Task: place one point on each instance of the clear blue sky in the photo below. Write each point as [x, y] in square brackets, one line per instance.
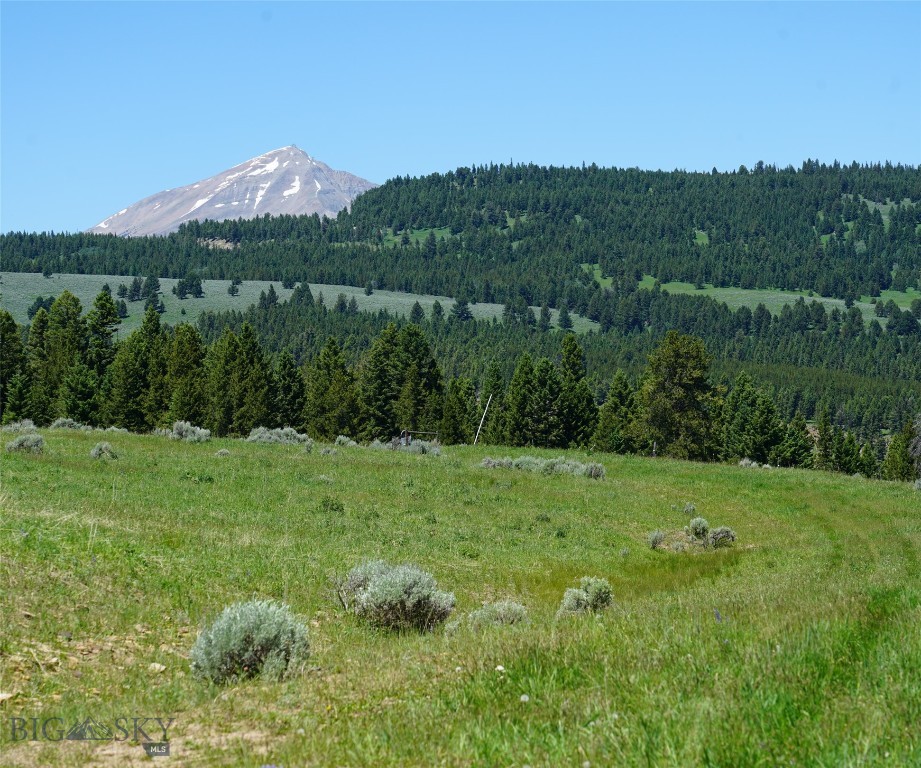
[106, 103]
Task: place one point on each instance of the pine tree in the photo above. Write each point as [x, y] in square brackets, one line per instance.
[379, 387]
[101, 323]
[41, 404]
[461, 311]
[220, 364]
[543, 323]
[77, 395]
[186, 371]
[250, 386]
[547, 407]
[12, 356]
[416, 314]
[458, 422]
[65, 340]
[825, 443]
[493, 431]
[613, 433]
[899, 463]
[675, 399]
[579, 414]
[564, 321]
[519, 409]
[331, 401]
[796, 448]
[289, 391]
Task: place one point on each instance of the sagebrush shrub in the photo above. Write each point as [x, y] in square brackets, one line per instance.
[404, 598]
[23, 425]
[103, 450]
[250, 639]
[699, 528]
[189, 433]
[283, 436]
[592, 595]
[399, 597]
[555, 466]
[498, 614]
[347, 442]
[722, 537]
[30, 442]
[327, 451]
[655, 539]
[918, 484]
[222, 453]
[66, 424]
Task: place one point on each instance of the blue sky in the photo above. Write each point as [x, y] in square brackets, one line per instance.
[102, 104]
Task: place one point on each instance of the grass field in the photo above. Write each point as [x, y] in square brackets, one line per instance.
[774, 300]
[18, 290]
[801, 645]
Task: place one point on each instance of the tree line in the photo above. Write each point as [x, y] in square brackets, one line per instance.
[72, 366]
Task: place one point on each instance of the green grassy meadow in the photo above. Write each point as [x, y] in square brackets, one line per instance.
[774, 300]
[800, 645]
[18, 290]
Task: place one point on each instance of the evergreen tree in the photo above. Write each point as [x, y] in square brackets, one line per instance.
[546, 407]
[41, 404]
[65, 340]
[424, 402]
[613, 434]
[12, 357]
[220, 364]
[493, 393]
[461, 311]
[77, 395]
[459, 419]
[289, 391]
[564, 321]
[331, 402]
[825, 443]
[519, 408]
[17, 401]
[579, 414]
[379, 387]
[796, 448]
[899, 463]
[250, 386]
[186, 372]
[101, 322]
[675, 399]
[416, 314]
[543, 323]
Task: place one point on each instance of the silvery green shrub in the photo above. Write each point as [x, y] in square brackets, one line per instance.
[699, 528]
[655, 539]
[103, 450]
[347, 442]
[23, 425]
[918, 484]
[722, 537]
[404, 598]
[498, 614]
[283, 436]
[189, 433]
[327, 451]
[258, 638]
[30, 442]
[222, 453]
[422, 447]
[592, 595]
[556, 466]
[395, 597]
[66, 424]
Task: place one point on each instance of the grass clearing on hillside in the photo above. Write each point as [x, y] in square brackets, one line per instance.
[774, 300]
[799, 644]
[19, 289]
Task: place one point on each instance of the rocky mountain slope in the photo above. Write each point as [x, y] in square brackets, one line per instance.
[286, 180]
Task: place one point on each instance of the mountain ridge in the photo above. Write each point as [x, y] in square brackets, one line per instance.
[283, 181]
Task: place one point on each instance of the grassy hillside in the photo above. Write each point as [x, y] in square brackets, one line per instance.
[799, 645]
[18, 290]
[775, 300]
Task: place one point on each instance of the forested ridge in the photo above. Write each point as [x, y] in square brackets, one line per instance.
[522, 235]
[493, 232]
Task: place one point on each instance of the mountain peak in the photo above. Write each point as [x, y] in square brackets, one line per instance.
[286, 180]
